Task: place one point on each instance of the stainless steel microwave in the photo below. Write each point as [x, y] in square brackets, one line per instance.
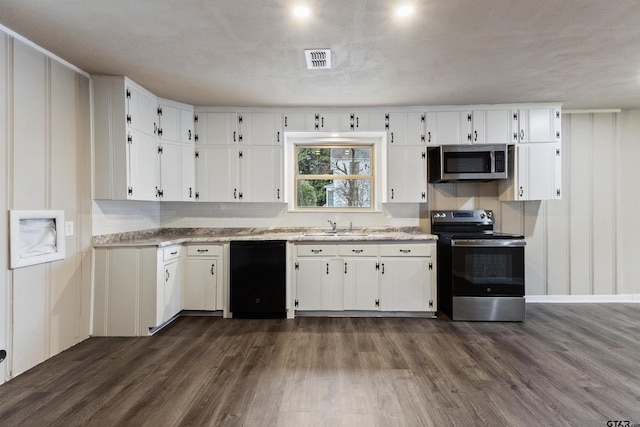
[482, 162]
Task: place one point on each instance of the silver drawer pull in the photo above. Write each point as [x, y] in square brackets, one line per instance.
[316, 251]
[201, 251]
[358, 251]
[405, 251]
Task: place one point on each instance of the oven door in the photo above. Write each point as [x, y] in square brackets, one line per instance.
[488, 267]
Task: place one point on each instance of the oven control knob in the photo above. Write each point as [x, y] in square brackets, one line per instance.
[482, 215]
[488, 289]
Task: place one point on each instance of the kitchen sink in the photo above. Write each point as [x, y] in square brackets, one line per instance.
[331, 234]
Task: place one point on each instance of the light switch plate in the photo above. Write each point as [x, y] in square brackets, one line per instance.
[68, 228]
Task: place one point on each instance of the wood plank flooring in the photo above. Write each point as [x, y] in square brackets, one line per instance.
[567, 365]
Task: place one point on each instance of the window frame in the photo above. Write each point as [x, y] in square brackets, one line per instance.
[329, 177]
[378, 142]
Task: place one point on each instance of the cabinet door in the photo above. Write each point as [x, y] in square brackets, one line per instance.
[374, 121]
[216, 174]
[170, 172]
[169, 119]
[144, 166]
[407, 182]
[261, 129]
[187, 172]
[539, 166]
[326, 122]
[497, 127]
[537, 174]
[406, 129]
[261, 174]
[406, 284]
[186, 126]
[172, 291]
[200, 284]
[443, 127]
[217, 128]
[361, 284]
[319, 284]
[293, 122]
[537, 125]
[142, 111]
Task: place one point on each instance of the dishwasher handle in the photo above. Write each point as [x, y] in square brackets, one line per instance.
[489, 243]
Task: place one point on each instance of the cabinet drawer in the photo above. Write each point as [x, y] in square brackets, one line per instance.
[316, 250]
[358, 250]
[203, 250]
[171, 252]
[406, 249]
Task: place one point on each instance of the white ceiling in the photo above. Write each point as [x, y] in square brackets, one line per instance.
[585, 53]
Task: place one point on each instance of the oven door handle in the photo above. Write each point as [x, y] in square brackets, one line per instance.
[489, 243]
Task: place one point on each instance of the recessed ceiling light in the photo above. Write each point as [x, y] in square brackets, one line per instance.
[404, 10]
[301, 11]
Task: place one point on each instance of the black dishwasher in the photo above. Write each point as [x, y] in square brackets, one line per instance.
[258, 279]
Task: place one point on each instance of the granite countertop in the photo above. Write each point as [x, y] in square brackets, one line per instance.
[172, 236]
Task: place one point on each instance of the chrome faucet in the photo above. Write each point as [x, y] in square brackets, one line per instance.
[334, 226]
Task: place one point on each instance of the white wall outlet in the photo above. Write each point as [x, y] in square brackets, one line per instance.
[68, 228]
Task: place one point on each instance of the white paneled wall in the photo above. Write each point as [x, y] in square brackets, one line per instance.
[44, 117]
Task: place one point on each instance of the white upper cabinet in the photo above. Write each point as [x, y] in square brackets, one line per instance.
[217, 174]
[187, 125]
[260, 174]
[497, 127]
[294, 122]
[443, 127]
[217, 129]
[536, 173]
[142, 109]
[177, 167]
[405, 129]
[536, 125]
[261, 128]
[407, 177]
[239, 157]
[125, 124]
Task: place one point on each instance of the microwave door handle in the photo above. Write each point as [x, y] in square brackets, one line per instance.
[493, 161]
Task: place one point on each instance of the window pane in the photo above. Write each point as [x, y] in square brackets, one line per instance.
[340, 193]
[314, 161]
[334, 161]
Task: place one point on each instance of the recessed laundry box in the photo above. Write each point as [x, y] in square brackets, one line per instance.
[36, 236]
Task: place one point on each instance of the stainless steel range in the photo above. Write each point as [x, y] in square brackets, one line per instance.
[480, 272]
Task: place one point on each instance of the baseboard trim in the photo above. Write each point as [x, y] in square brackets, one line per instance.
[625, 298]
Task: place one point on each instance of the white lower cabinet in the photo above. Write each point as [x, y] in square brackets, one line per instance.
[171, 303]
[361, 290]
[407, 284]
[136, 289]
[202, 284]
[408, 277]
[392, 277]
[318, 278]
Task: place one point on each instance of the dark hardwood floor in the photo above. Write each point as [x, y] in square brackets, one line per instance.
[567, 365]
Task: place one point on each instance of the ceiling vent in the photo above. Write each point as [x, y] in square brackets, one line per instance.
[318, 59]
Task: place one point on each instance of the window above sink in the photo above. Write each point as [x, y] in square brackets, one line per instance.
[330, 172]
